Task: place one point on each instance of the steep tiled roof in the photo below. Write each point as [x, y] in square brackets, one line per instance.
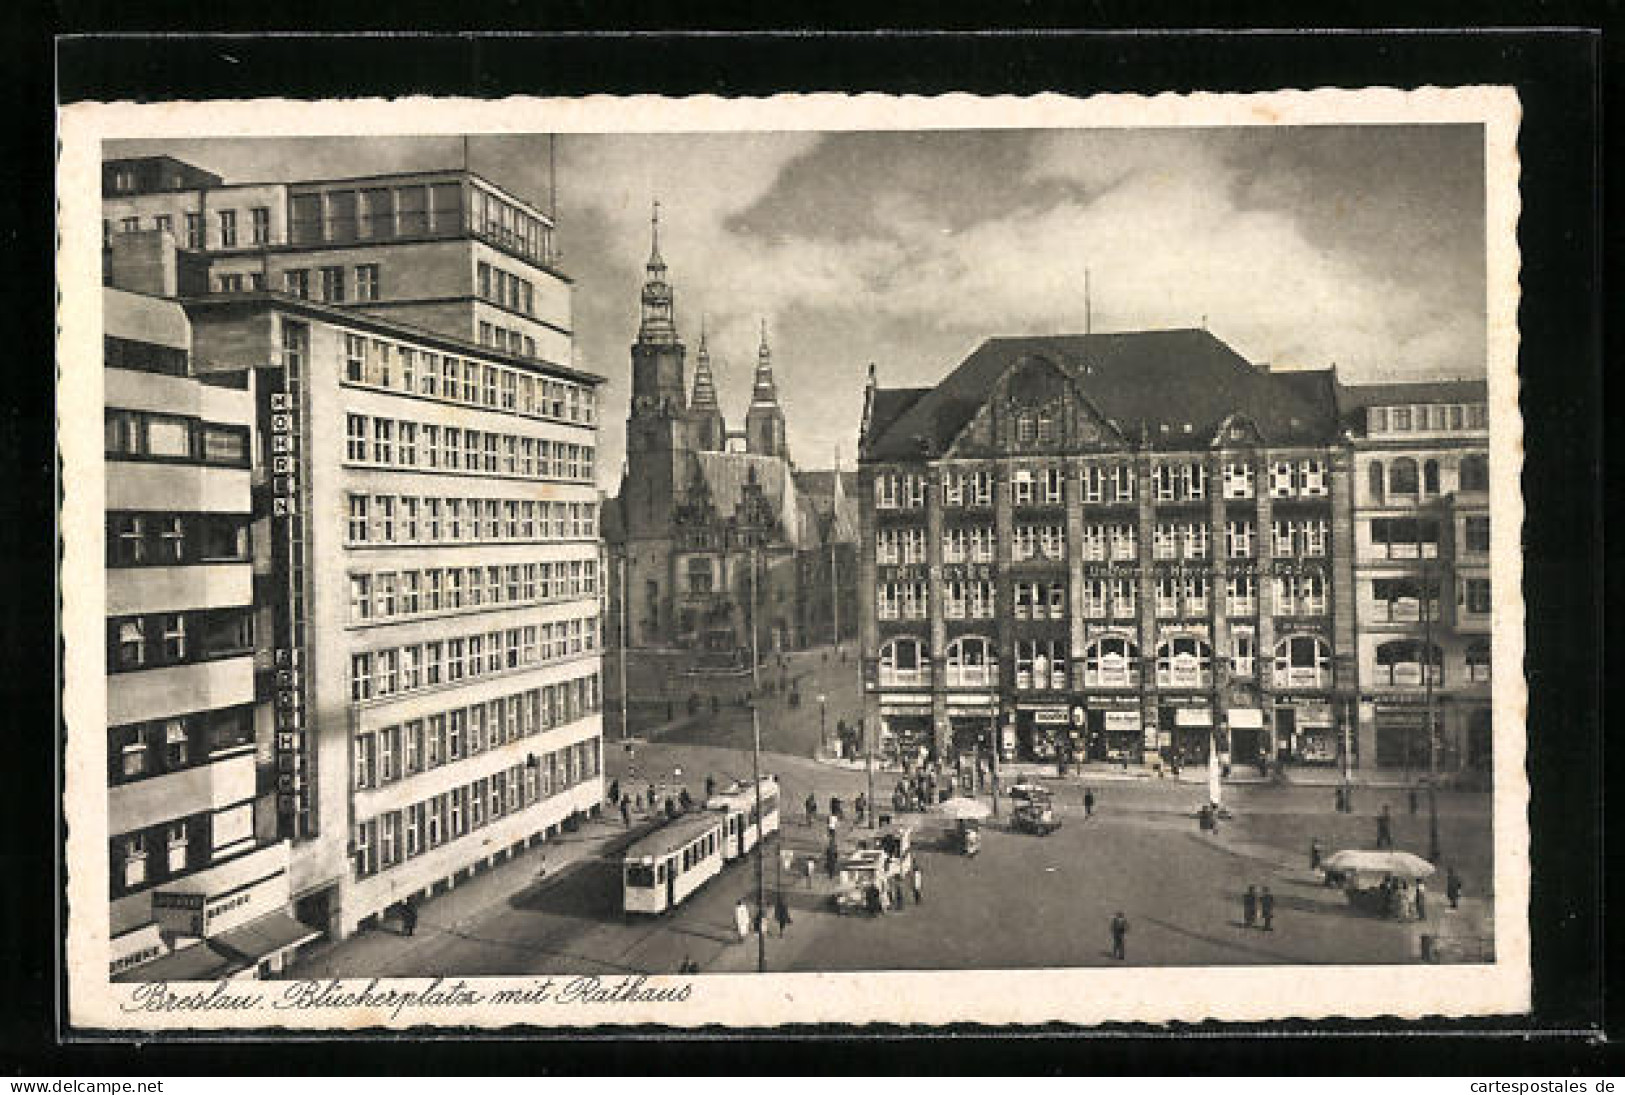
[889, 404]
[1138, 379]
[726, 473]
[1353, 397]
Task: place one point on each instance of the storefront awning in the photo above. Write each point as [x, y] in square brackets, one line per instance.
[1246, 718]
[264, 936]
[198, 962]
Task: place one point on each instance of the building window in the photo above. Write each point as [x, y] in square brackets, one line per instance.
[296, 283]
[1303, 661]
[1375, 482]
[903, 661]
[1402, 600]
[260, 224]
[1184, 661]
[1403, 478]
[1312, 478]
[1477, 596]
[1475, 473]
[332, 281]
[1477, 534]
[1243, 653]
[133, 852]
[1111, 662]
[1400, 663]
[1478, 660]
[366, 282]
[970, 663]
[1238, 480]
[228, 228]
[1430, 478]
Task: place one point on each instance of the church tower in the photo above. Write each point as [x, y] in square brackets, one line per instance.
[764, 422]
[707, 432]
[655, 433]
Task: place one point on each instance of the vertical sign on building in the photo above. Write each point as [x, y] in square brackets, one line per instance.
[293, 775]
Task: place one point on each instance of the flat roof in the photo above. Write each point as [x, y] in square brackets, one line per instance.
[672, 836]
[368, 321]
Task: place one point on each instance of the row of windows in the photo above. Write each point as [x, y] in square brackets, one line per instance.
[147, 435]
[176, 539]
[419, 745]
[1405, 479]
[226, 220]
[379, 363]
[1105, 598]
[173, 744]
[1105, 483]
[144, 357]
[1404, 662]
[377, 674]
[381, 212]
[397, 443]
[392, 838]
[157, 854]
[332, 283]
[505, 290]
[161, 639]
[390, 595]
[1305, 538]
[1113, 661]
[506, 341]
[1429, 417]
[379, 519]
[1409, 600]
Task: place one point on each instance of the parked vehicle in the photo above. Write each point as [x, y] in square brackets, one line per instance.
[967, 836]
[1035, 813]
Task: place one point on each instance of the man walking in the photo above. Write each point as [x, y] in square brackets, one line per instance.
[918, 878]
[832, 858]
[1088, 803]
[1249, 906]
[1266, 907]
[1421, 900]
[742, 920]
[1119, 936]
[781, 913]
[409, 917]
[1452, 887]
[1385, 828]
[626, 813]
[812, 808]
[1314, 853]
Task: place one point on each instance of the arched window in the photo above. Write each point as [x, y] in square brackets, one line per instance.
[1400, 663]
[1041, 664]
[970, 663]
[1402, 476]
[1375, 483]
[1478, 660]
[1475, 473]
[1111, 662]
[1303, 661]
[1184, 661]
[903, 660]
[1430, 477]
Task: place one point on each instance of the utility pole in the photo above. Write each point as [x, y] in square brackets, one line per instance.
[869, 765]
[626, 558]
[1430, 604]
[756, 772]
[834, 578]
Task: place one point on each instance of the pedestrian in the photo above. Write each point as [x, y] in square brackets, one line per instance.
[1314, 853]
[742, 920]
[710, 787]
[812, 808]
[1421, 900]
[1266, 909]
[614, 791]
[626, 813]
[1249, 906]
[897, 891]
[812, 865]
[1119, 936]
[859, 807]
[1337, 799]
[1088, 803]
[872, 899]
[834, 827]
[409, 917]
[685, 800]
[1385, 828]
[832, 859]
[654, 799]
[781, 913]
[834, 811]
[671, 808]
[1452, 887]
[917, 877]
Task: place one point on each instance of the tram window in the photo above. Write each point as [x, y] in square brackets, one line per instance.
[640, 875]
[660, 873]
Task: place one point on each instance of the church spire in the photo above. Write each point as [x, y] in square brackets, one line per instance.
[705, 389]
[765, 391]
[659, 321]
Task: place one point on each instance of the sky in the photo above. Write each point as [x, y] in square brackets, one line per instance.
[1302, 247]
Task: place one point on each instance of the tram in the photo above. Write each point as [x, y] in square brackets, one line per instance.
[737, 805]
[662, 869]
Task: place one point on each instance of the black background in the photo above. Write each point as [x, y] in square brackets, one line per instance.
[1563, 81]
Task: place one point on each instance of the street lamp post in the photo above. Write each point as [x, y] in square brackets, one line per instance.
[823, 732]
[756, 774]
[869, 765]
[1430, 604]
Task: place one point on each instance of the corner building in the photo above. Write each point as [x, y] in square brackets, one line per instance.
[1122, 547]
[426, 572]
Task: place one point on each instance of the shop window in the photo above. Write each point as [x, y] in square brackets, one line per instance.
[903, 661]
[1400, 663]
[1303, 661]
[970, 663]
[1184, 661]
[1111, 662]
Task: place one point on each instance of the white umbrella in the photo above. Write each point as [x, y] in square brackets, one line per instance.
[1403, 864]
[962, 808]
